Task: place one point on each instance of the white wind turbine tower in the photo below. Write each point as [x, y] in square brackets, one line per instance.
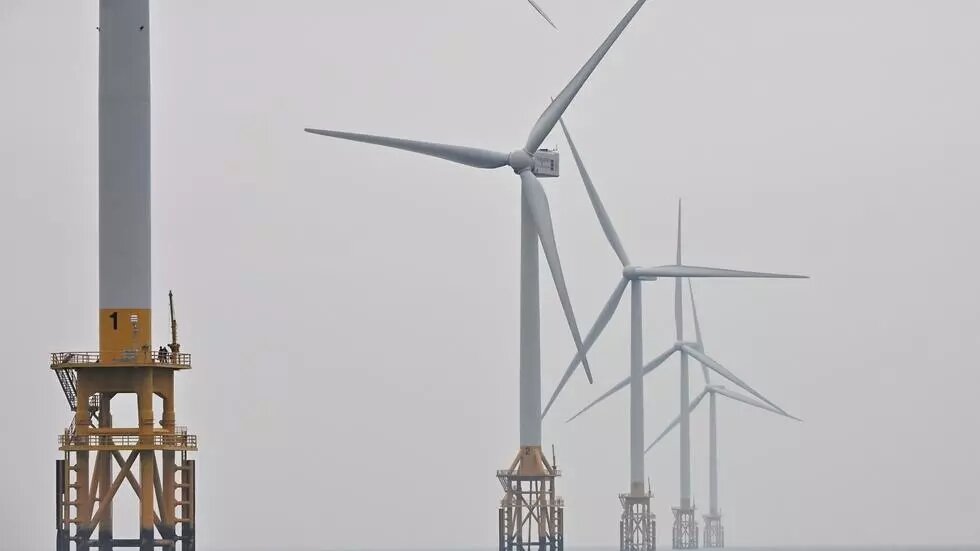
[530, 512]
[714, 531]
[637, 527]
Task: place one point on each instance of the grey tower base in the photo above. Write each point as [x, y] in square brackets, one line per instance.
[638, 526]
[714, 532]
[685, 529]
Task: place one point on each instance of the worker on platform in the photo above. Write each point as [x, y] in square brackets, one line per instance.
[162, 354]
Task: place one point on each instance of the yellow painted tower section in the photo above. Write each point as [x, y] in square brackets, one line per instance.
[125, 334]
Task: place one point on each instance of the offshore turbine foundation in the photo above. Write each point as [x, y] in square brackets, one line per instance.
[685, 528]
[638, 525]
[714, 532]
[101, 457]
[531, 515]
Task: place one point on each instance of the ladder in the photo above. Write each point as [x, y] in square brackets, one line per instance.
[67, 379]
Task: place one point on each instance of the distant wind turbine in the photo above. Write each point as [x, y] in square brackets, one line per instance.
[633, 276]
[685, 530]
[714, 531]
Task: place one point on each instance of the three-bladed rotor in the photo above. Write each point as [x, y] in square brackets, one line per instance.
[633, 272]
[696, 350]
[521, 161]
[714, 388]
[720, 391]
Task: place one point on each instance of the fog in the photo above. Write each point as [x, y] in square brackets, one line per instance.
[353, 311]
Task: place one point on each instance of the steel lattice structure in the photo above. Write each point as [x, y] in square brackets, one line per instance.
[714, 532]
[531, 515]
[638, 525]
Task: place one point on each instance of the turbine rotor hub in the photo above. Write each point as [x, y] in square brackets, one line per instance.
[630, 274]
[520, 161]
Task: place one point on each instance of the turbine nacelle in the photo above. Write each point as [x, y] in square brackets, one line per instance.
[543, 163]
[654, 273]
[640, 273]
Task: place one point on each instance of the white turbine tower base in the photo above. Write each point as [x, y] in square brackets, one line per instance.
[636, 531]
[530, 512]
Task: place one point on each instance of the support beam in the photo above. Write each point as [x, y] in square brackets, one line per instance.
[147, 533]
[105, 475]
[84, 504]
[124, 470]
[167, 495]
[62, 525]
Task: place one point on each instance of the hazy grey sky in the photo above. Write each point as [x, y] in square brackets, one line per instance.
[353, 312]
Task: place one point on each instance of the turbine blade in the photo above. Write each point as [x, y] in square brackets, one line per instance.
[697, 331]
[720, 369]
[542, 13]
[679, 213]
[678, 310]
[754, 403]
[701, 271]
[678, 292]
[677, 420]
[694, 312]
[598, 327]
[541, 213]
[657, 362]
[547, 121]
[600, 209]
[469, 156]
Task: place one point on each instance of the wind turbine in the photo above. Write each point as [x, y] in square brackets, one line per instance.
[529, 500]
[637, 526]
[541, 12]
[714, 531]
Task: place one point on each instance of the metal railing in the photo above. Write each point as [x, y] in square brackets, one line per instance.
[178, 441]
[512, 501]
[507, 473]
[68, 359]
